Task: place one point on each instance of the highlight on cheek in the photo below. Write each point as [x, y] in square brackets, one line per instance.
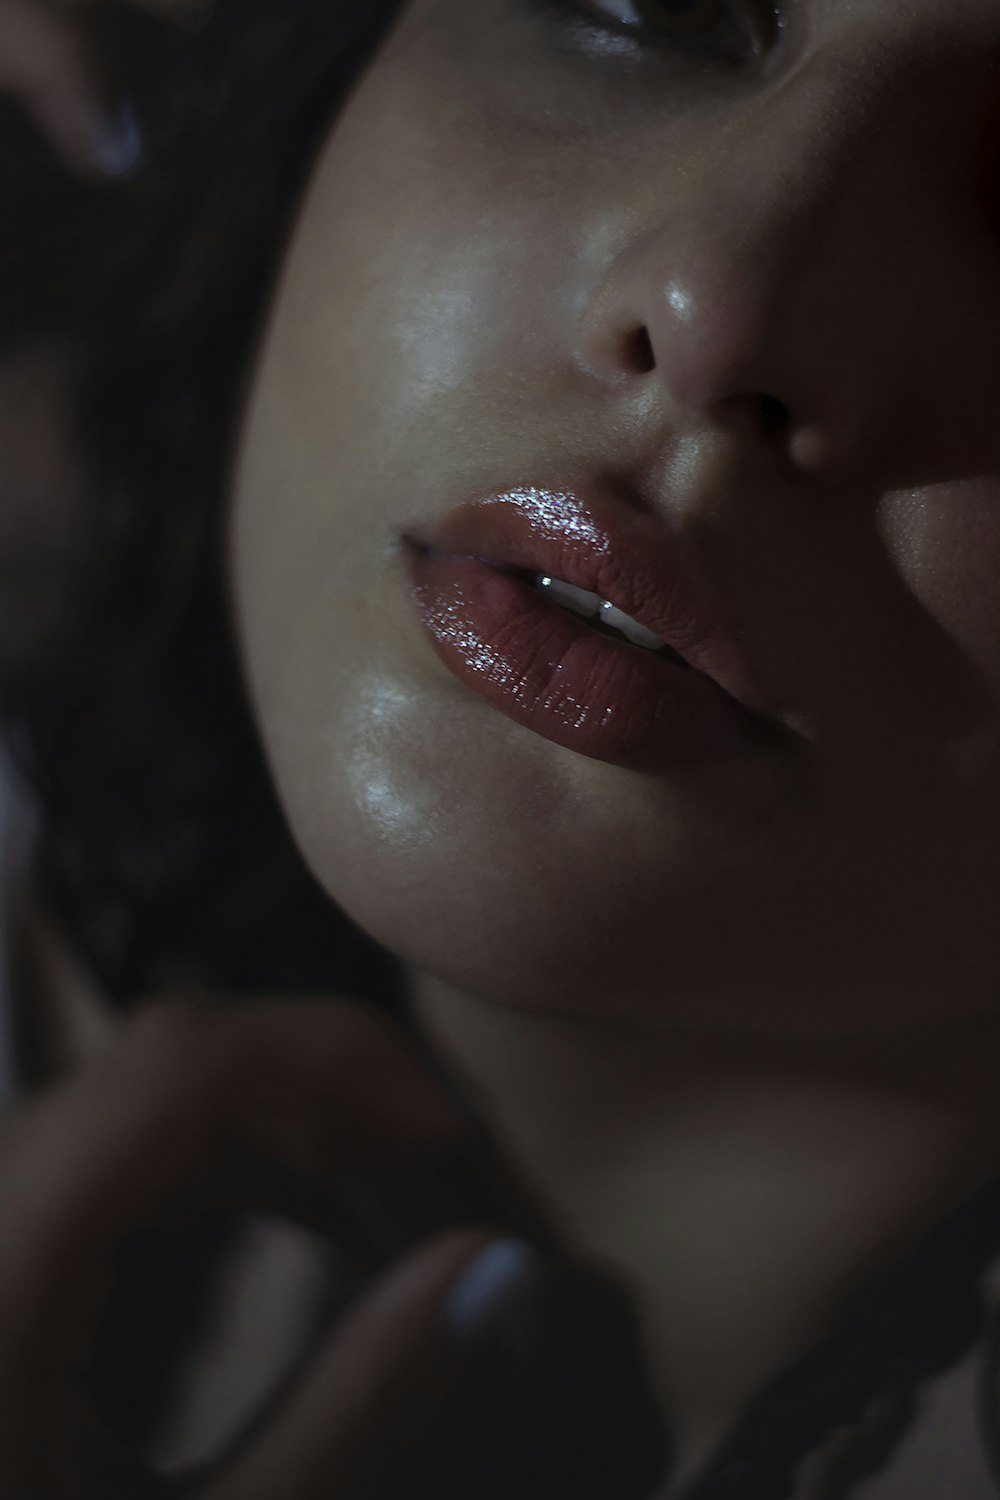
[390, 804]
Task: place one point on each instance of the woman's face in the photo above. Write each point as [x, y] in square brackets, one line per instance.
[699, 311]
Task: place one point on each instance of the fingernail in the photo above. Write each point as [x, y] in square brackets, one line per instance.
[117, 144]
[553, 1397]
[493, 1288]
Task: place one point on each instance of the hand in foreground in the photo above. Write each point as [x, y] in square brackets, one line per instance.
[101, 1153]
[44, 66]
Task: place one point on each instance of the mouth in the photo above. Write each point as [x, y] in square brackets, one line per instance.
[583, 625]
[604, 616]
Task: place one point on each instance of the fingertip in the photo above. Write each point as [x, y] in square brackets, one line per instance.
[493, 1281]
[47, 69]
[116, 145]
[85, 137]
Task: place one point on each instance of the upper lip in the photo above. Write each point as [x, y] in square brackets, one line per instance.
[625, 555]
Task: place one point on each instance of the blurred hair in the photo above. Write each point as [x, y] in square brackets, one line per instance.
[163, 852]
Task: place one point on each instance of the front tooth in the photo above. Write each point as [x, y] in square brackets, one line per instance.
[630, 629]
[580, 601]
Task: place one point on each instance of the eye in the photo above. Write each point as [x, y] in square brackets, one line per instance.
[715, 23]
[680, 18]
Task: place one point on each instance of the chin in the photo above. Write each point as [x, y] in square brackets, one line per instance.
[539, 880]
[514, 937]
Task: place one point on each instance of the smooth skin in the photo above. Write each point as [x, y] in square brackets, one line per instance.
[738, 1019]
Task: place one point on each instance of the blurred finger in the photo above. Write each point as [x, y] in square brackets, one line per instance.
[485, 1369]
[389, 1364]
[82, 1166]
[44, 67]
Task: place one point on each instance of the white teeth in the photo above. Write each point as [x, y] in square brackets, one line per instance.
[630, 629]
[580, 601]
[584, 603]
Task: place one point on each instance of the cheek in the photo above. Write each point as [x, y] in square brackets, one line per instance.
[944, 543]
[389, 381]
[392, 382]
[407, 284]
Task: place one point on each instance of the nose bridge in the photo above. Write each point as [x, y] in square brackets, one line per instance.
[738, 282]
[781, 255]
[767, 203]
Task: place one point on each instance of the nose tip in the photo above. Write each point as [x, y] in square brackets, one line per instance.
[762, 291]
[708, 330]
[705, 346]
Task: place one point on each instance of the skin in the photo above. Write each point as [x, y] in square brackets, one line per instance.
[548, 205]
[653, 985]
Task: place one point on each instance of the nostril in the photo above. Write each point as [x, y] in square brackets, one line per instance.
[755, 411]
[638, 352]
[774, 414]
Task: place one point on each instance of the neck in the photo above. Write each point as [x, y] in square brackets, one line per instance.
[745, 1186]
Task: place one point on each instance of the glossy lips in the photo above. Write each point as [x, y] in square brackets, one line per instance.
[473, 578]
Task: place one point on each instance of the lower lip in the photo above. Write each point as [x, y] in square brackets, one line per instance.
[556, 675]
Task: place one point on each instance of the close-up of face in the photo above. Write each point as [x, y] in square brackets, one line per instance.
[694, 308]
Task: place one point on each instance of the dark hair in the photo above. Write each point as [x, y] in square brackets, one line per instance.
[163, 852]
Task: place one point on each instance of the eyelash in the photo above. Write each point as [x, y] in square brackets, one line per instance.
[757, 37]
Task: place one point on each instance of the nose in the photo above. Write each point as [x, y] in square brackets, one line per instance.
[790, 281]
